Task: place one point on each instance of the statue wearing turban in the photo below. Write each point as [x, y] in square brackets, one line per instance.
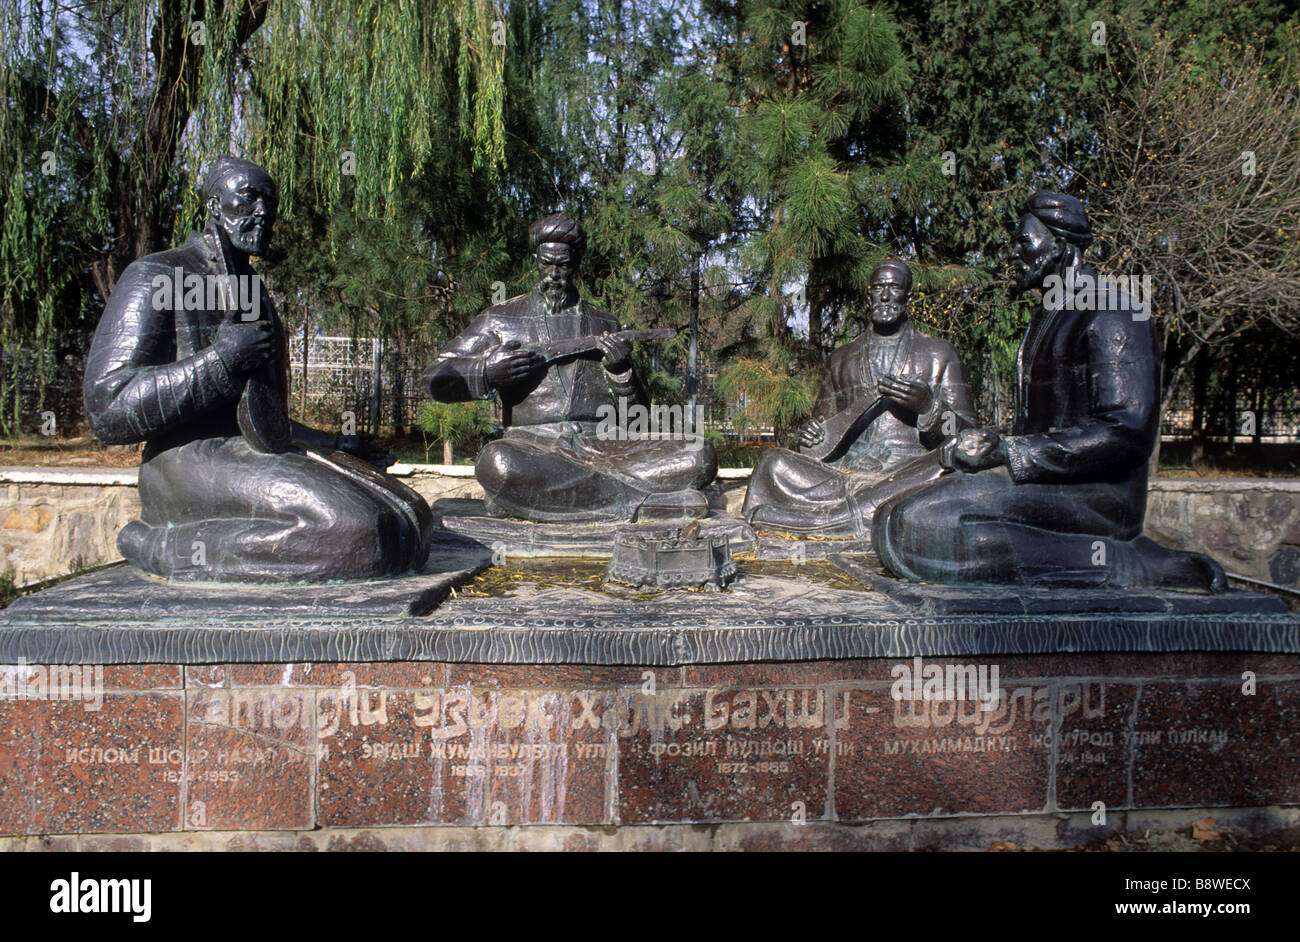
[925, 400]
[1059, 498]
[190, 358]
[557, 460]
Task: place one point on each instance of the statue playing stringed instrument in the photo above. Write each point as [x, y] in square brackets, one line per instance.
[888, 400]
[561, 365]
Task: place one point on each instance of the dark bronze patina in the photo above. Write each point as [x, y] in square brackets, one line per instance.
[230, 488]
[554, 464]
[887, 401]
[676, 559]
[1059, 498]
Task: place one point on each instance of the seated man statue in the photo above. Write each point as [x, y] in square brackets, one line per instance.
[555, 463]
[1059, 499]
[191, 359]
[918, 391]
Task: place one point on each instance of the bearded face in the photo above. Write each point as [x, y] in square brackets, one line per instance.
[245, 210]
[556, 264]
[888, 297]
[1035, 253]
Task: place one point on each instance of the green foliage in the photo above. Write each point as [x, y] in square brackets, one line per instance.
[728, 174]
[770, 393]
[464, 424]
[111, 113]
[825, 154]
[8, 591]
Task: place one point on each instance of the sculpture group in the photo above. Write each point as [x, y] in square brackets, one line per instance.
[232, 490]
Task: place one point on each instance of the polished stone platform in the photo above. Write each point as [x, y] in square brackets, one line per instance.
[124, 595]
[467, 518]
[975, 600]
[295, 747]
[517, 698]
[554, 611]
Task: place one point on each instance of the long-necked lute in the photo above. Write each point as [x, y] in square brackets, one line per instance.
[263, 410]
[844, 427]
[585, 347]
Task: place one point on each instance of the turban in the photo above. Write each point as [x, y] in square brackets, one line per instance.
[896, 265]
[556, 228]
[1063, 215]
[227, 167]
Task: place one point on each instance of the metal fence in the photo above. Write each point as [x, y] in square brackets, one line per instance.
[380, 385]
[1276, 423]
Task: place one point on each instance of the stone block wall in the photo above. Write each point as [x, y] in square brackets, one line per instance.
[50, 517]
[1251, 526]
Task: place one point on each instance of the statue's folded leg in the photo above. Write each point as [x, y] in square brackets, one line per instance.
[217, 510]
[797, 494]
[792, 492]
[868, 492]
[589, 479]
[655, 466]
[984, 528]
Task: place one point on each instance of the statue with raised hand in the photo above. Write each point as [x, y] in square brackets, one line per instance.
[190, 358]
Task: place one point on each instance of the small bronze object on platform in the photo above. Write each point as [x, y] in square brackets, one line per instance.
[672, 559]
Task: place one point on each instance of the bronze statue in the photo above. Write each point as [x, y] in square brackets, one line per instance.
[557, 461]
[888, 400]
[1059, 498]
[191, 359]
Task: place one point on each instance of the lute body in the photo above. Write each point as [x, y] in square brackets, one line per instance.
[843, 429]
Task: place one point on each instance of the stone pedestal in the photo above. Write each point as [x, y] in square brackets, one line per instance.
[438, 714]
[784, 754]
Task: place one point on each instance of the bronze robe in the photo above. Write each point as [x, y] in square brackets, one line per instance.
[799, 494]
[1068, 509]
[212, 507]
[552, 465]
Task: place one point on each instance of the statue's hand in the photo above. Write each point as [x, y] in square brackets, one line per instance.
[244, 345]
[978, 448]
[618, 352]
[911, 394]
[813, 433]
[508, 365]
[363, 447]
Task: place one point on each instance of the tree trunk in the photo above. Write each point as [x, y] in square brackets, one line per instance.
[1234, 415]
[448, 453]
[302, 396]
[692, 360]
[141, 209]
[398, 394]
[1200, 386]
[815, 296]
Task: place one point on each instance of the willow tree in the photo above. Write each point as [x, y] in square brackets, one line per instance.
[110, 112]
